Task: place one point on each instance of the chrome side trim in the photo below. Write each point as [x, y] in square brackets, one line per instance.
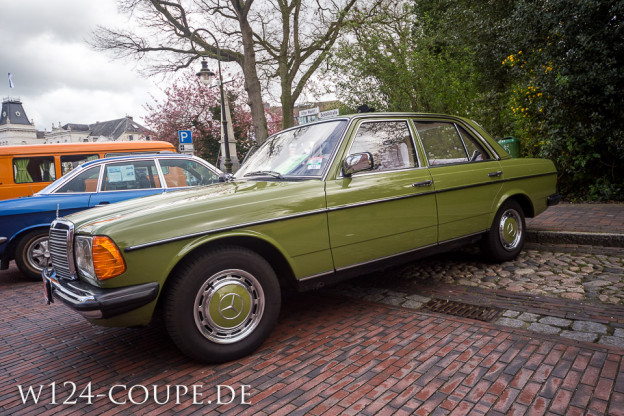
[318, 211]
[314, 276]
[378, 201]
[223, 229]
[340, 269]
[364, 263]
[494, 182]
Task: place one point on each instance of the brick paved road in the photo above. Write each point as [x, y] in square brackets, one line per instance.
[592, 218]
[328, 355]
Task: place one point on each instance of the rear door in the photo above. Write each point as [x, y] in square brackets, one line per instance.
[466, 177]
[179, 173]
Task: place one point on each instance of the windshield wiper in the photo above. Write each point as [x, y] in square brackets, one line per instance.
[265, 172]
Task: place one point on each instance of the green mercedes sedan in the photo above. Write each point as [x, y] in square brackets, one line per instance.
[315, 204]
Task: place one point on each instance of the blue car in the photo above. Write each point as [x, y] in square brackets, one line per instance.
[25, 222]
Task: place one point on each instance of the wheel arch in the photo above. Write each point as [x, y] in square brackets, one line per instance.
[521, 198]
[9, 252]
[262, 247]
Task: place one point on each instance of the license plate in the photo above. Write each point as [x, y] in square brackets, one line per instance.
[47, 291]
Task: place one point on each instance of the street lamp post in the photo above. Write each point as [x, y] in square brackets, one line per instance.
[205, 76]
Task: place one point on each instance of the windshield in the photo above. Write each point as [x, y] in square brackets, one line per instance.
[300, 152]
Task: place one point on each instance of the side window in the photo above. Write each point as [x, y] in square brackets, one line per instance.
[180, 172]
[389, 142]
[85, 182]
[128, 175]
[447, 143]
[476, 151]
[441, 142]
[69, 162]
[34, 169]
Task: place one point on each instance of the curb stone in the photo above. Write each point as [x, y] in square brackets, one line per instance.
[582, 238]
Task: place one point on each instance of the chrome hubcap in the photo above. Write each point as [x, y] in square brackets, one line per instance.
[510, 229]
[38, 253]
[229, 306]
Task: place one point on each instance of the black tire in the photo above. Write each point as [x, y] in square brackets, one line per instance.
[32, 254]
[506, 238]
[222, 304]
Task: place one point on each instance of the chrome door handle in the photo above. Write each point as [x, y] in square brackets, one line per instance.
[495, 174]
[425, 183]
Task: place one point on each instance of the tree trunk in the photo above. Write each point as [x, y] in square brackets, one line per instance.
[288, 106]
[252, 83]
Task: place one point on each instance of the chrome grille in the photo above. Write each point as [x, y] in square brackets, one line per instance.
[61, 243]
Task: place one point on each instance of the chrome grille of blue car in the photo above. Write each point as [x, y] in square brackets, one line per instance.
[61, 243]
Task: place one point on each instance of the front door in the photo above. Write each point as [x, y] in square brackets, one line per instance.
[385, 211]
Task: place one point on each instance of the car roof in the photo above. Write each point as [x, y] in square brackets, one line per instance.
[137, 156]
[373, 114]
[378, 115]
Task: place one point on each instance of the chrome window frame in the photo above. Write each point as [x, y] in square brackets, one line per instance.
[415, 148]
[493, 155]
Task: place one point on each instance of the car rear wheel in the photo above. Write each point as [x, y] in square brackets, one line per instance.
[32, 254]
[222, 304]
[506, 238]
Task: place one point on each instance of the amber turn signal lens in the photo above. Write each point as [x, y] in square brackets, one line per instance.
[107, 259]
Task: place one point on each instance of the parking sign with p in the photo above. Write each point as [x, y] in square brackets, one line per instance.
[185, 137]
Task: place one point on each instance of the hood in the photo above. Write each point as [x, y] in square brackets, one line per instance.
[196, 210]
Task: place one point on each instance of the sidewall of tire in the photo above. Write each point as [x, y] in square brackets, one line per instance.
[492, 246]
[21, 255]
[180, 299]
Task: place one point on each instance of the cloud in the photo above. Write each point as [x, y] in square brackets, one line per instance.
[56, 73]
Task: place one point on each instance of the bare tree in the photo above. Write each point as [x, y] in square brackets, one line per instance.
[175, 36]
[283, 39]
[295, 37]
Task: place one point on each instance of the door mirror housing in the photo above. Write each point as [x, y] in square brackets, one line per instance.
[357, 162]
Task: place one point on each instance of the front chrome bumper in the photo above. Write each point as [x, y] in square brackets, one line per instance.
[94, 302]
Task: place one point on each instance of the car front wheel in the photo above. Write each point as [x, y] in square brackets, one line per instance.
[222, 304]
[32, 254]
[506, 238]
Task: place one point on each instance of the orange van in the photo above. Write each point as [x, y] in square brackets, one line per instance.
[27, 169]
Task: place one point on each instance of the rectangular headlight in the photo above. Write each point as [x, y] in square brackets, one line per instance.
[84, 256]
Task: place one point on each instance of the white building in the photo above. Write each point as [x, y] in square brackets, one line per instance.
[15, 128]
[121, 129]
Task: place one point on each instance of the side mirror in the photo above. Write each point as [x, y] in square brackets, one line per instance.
[226, 177]
[357, 162]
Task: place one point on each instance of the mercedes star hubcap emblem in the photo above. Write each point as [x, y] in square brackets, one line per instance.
[231, 306]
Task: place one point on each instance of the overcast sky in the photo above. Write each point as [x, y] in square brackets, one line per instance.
[57, 75]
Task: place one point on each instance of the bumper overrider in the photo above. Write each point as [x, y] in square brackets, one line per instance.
[94, 302]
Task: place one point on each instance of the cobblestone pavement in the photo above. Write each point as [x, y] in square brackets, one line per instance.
[575, 292]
